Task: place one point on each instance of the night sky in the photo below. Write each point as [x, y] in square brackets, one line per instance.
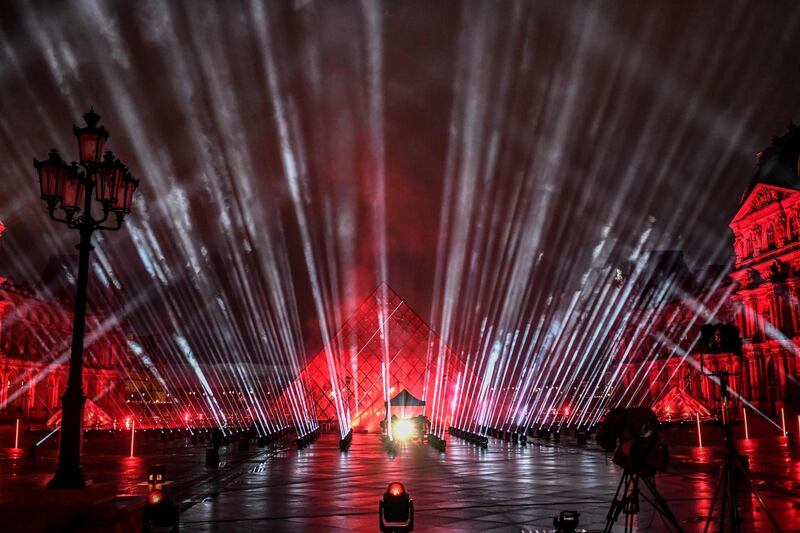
[460, 151]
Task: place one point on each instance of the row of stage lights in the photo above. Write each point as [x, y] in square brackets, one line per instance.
[243, 437]
[515, 437]
[308, 438]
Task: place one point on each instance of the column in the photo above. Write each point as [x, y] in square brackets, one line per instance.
[3, 385]
[53, 380]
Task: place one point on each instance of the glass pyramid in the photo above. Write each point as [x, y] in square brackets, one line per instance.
[383, 327]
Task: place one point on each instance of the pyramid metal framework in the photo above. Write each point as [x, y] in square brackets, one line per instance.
[678, 404]
[358, 352]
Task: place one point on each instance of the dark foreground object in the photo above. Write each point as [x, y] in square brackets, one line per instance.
[396, 509]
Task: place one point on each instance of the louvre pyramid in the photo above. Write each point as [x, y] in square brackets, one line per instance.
[678, 404]
[357, 353]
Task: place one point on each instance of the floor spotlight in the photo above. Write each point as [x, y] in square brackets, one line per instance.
[159, 510]
[396, 509]
[403, 429]
[566, 521]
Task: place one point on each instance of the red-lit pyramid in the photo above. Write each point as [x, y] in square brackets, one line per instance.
[357, 352]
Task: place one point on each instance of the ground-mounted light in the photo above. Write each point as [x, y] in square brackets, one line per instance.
[403, 429]
[470, 436]
[396, 509]
[154, 497]
[308, 439]
[159, 510]
[437, 443]
[566, 521]
[346, 441]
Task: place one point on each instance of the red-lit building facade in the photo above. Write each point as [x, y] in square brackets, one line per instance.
[35, 334]
[760, 294]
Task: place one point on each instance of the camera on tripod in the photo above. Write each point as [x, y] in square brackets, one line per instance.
[632, 434]
[640, 450]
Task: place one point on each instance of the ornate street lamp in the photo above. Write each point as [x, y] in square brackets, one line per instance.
[83, 196]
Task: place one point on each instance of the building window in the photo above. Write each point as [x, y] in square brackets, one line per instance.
[770, 237]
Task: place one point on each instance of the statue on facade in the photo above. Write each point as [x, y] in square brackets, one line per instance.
[778, 270]
[751, 277]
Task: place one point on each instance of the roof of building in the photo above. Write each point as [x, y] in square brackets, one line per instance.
[779, 163]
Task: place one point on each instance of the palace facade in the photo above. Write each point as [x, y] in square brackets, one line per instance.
[759, 293]
[35, 337]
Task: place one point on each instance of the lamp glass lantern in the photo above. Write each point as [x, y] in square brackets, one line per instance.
[91, 138]
[53, 174]
[109, 177]
[124, 197]
[74, 190]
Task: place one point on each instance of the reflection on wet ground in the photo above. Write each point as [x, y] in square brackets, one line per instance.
[504, 488]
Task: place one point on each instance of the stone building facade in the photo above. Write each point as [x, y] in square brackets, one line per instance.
[760, 294]
[35, 335]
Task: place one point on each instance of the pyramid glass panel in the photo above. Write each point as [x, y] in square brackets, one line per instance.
[383, 328]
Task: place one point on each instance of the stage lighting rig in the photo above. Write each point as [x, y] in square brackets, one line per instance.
[437, 443]
[470, 437]
[308, 438]
[159, 509]
[403, 429]
[345, 443]
[396, 509]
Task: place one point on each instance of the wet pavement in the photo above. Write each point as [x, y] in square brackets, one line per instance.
[504, 488]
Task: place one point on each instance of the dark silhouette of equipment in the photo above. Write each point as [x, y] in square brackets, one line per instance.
[724, 338]
[159, 512]
[396, 510]
[566, 521]
[632, 434]
[212, 452]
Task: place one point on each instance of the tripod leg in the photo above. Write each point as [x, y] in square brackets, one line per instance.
[661, 504]
[616, 504]
[726, 478]
[732, 500]
[632, 503]
[717, 487]
[761, 502]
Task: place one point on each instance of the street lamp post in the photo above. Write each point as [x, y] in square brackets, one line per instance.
[67, 190]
